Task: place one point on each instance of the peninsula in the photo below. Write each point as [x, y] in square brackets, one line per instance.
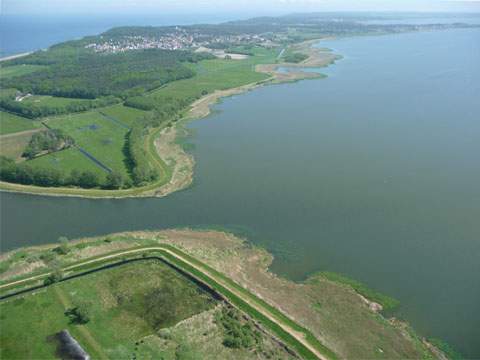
[212, 294]
[100, 116]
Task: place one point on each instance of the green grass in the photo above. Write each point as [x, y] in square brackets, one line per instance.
[66, 161]
[52, 101]
[217, 74]
[10, 123]
[8, 93]
[30, 320]
[127, 115]
[101, 137]
[234, 299]
[451, 353]
[387, 302]
[19, 70]
[122, 311]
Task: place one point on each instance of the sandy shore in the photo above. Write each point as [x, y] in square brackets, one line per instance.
[16, 56]
[181, 162]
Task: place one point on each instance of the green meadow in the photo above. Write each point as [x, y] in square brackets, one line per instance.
[101, 137]
[52, 101]
[217, 74]
[126, 115]
[66, 161]
[19, 70]
[10, 123]
[122, 312]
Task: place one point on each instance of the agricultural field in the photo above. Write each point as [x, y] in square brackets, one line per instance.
[217, 74]
[10, 123]
[19, 70]
[126, 115]
[122, 312]
[100, 136]
[66, 161]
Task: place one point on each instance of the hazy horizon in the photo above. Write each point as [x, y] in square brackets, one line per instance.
[241, 7]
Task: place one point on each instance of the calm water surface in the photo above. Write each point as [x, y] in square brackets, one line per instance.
[373, 172]
[24, 33]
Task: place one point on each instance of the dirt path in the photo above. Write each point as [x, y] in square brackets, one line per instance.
[250, 300]
[21, 133]
[87, 336]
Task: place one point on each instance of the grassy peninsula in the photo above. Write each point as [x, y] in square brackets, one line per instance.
[207, 293]
[113, 98]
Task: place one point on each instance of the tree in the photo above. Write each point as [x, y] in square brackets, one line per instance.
[88, 179]
[115, 180]
[74, 178]
[79, 314]
[63, 249]
[55, 276]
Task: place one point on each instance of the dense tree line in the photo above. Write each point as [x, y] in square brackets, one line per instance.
[24, 173]
[141, 102]
[90, 75]
[47, 141]
[142, 171]
[33, 110]
[295, 57]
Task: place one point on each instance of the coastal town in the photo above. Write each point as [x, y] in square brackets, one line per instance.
[178, 39]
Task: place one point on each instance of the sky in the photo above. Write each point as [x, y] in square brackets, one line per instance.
[260, 7]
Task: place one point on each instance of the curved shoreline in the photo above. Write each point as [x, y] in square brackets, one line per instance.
[178, 168]
[331, 315]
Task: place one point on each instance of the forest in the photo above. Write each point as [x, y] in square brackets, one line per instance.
[87, 75]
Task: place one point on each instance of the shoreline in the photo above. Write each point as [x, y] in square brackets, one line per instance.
[180, 168]
[336, 314]
[16, 56]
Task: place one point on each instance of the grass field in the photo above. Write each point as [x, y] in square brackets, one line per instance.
[10, 123]
[54, 101]
[18, 70]
[217, 74]
[124, 306]
[101, 137]
[9, 92]
[66, 161]
[127, 115]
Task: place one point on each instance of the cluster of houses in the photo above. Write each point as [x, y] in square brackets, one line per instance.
[177, 40]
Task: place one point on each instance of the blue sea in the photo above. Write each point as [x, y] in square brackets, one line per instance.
[22, 33]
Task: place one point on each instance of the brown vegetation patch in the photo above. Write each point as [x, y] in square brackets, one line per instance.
[13, 145]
